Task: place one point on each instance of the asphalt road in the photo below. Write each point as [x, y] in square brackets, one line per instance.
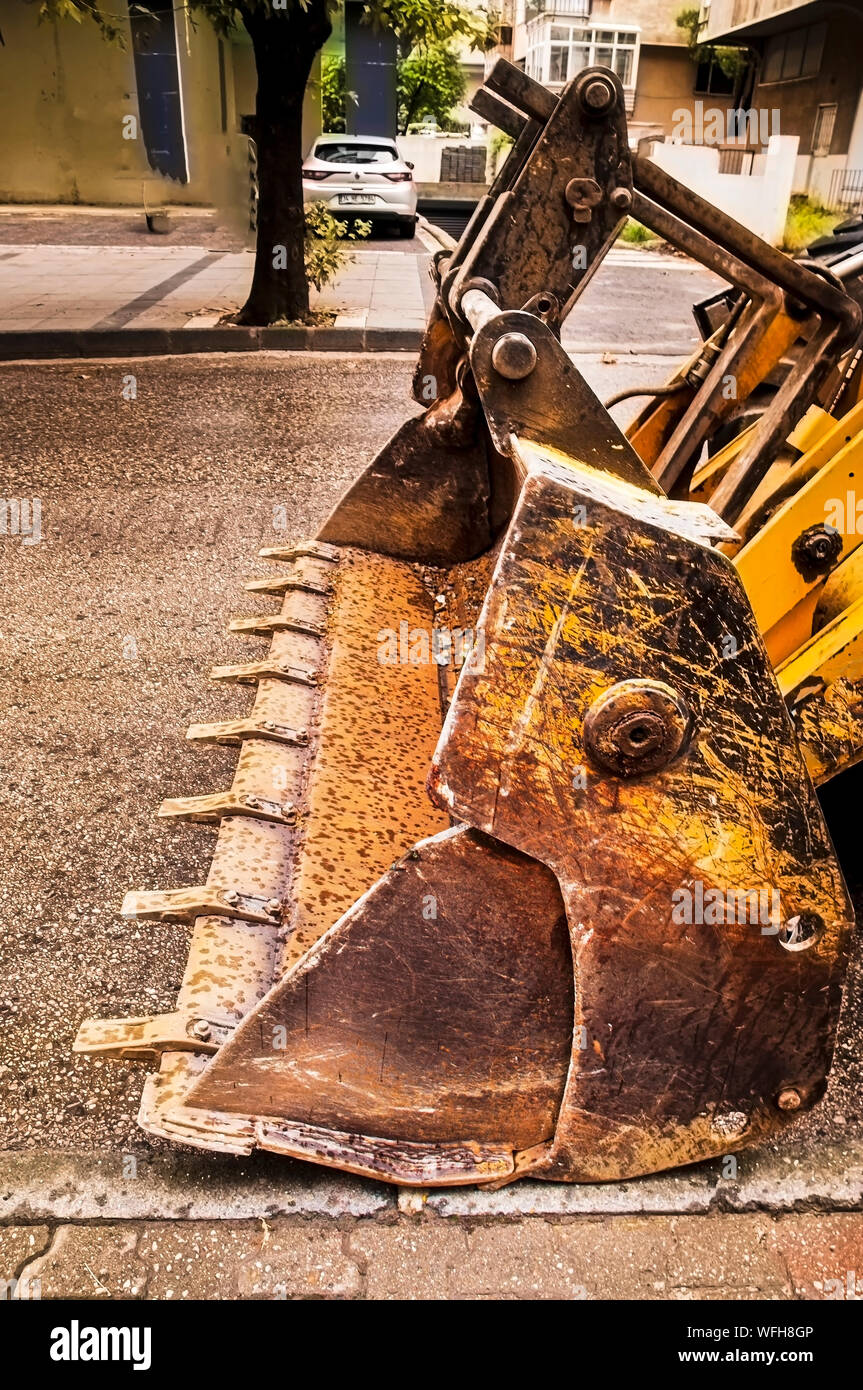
[152, 513]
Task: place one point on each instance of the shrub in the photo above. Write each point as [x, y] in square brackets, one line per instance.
[324, 251]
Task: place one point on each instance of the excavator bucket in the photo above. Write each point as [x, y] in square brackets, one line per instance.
[522, 870]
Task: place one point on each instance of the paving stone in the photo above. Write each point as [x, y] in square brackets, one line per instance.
[824, 1254]
[726, 1257]
[300, 1260]
[520, 1262]
[19, 1246]
[722, 1256]
[91, 1262]
[198, 1260]
[408, 1260]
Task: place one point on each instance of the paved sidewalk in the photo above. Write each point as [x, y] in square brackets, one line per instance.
[46, 288]
[381, 298]
[800, 1256]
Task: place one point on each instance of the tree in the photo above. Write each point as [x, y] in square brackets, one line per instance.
[431, 82]
[333, 95]
[286, 37]
[733, 62]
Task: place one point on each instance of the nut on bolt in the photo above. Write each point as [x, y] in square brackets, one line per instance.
[513, 356]
[816, 550]
[582, 196]
[636, 726]
[201, 1029]
[621, 198]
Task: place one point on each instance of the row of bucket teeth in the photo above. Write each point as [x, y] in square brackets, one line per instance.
[254, 848]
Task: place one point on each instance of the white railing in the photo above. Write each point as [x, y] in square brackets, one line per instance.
[567, 9]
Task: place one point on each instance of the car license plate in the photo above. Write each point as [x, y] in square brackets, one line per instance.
[357, 198]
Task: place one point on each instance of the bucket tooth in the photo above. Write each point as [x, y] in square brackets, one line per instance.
[206, 810]
[234, 731]
[268, 669]
[285, 584]
[314, 550]
[185, 904]
[152, 1035]
[266, 624]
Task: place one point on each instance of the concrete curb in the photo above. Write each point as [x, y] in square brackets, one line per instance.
[150, 342]
[76, 1187]
[168, 342]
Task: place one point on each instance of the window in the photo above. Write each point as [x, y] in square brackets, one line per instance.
[797, 53]
[558, 62]
[822, 131]
[557, 52]
[711, 80]
[351, 152]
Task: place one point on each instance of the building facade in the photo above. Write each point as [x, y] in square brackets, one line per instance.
[638, 39]
[808, 68]
[161, 119]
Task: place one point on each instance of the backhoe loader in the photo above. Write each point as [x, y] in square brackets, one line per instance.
[522, 871]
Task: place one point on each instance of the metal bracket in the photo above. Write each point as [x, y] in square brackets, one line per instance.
[185, 904]
[552, 404]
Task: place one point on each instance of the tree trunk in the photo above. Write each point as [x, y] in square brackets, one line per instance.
[413, 103]
[285, 45]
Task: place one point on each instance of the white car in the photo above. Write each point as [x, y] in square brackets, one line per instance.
[362, 176]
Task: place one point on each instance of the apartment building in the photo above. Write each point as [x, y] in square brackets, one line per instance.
[638, 39]
[808, 68]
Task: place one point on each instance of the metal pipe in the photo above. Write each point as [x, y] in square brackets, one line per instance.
[478, 307]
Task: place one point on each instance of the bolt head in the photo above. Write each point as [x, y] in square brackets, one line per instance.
[621, 198]
[201, 1029]
[789, 1099]
[231, 896]
[597, 95]
[513, 356]
[273, 905]
[636, 726]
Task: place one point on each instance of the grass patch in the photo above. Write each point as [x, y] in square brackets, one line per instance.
[806, 220]
[636, 234]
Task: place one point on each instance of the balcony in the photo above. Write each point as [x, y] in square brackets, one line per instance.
[563, 9]
[723, 17]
